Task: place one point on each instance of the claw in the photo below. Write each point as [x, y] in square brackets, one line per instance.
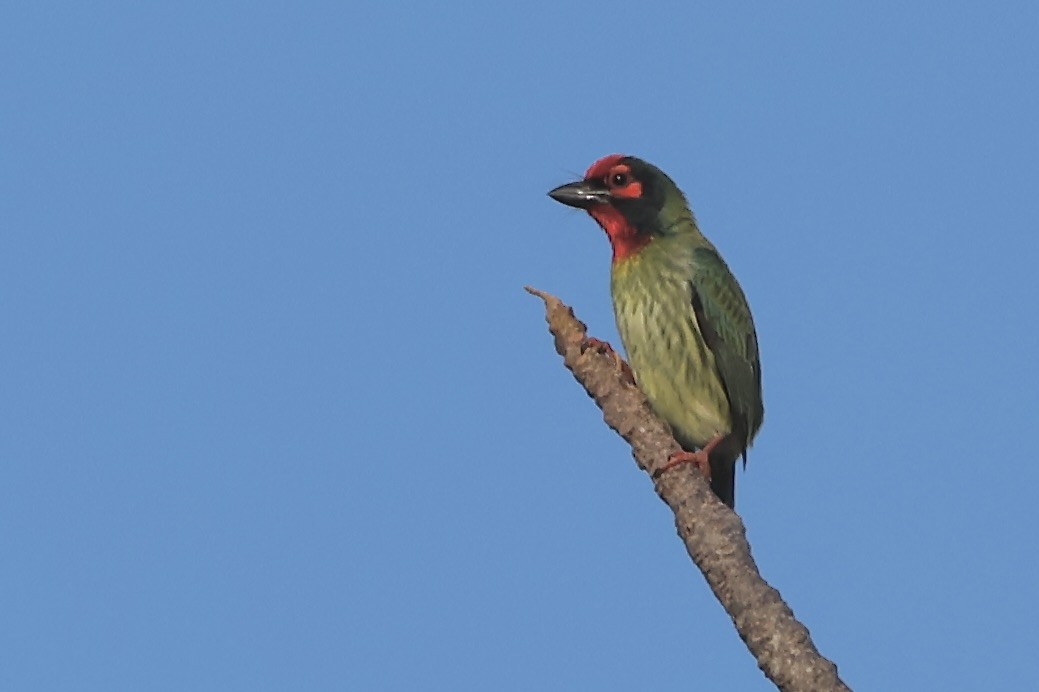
[701, 458]
[603, 347]
[598, 345]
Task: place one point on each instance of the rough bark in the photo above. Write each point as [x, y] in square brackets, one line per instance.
[713, 534]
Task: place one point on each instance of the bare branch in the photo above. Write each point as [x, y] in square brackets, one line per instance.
[713, 534]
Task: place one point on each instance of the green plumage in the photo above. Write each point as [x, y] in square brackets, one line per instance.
[689, 337]
[683, 318]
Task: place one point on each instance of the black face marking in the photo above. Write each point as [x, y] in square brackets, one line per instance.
[643, 212]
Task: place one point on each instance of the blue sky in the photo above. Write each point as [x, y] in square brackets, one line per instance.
[278, 415]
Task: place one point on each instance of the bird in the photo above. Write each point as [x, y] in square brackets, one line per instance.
[682, 317]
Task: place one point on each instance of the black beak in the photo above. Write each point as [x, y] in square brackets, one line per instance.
[583, 194]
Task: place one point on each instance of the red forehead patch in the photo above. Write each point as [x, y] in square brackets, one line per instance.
[603, 166]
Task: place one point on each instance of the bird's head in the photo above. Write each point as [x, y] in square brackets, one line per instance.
[633, 201]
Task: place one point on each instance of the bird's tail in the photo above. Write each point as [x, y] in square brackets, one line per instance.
[723, 480]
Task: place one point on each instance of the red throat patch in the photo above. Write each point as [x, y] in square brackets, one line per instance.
[625, 239]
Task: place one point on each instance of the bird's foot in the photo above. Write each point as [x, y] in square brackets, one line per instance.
[603, 347]
[701, 458]
[590, 343]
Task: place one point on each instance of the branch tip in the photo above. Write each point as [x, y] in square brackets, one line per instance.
[713, 535]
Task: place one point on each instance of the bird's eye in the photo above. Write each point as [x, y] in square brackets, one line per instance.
[618, 179]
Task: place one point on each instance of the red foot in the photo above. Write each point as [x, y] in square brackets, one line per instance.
[701, 458]
[697, 458]
[603, 347]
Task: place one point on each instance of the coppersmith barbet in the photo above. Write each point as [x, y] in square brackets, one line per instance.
[683, 318]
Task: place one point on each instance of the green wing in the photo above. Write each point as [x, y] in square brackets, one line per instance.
[728, 330]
